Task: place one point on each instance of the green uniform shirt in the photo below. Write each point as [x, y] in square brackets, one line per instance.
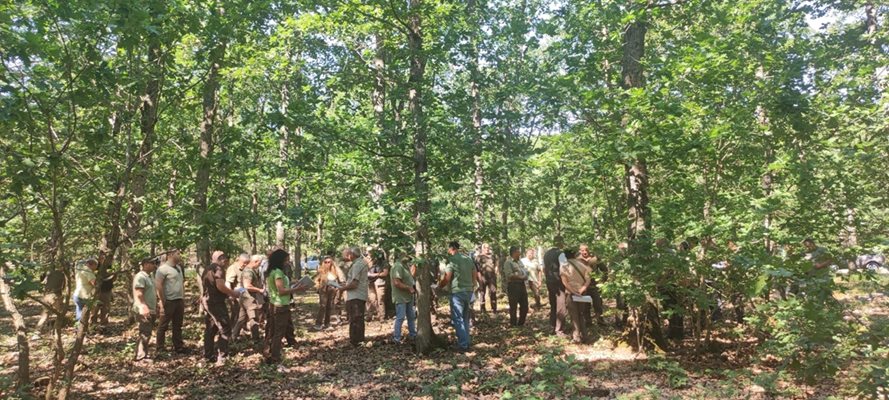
[173, 282]
[399, 271]
[275, 298]
[357, 272]
[462, 269]
[514, 269]
[144, 281]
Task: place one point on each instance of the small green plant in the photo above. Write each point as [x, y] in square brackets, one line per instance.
[677, 377]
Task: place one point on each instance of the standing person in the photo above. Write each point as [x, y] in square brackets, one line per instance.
[339, 303]
[459, 276]
[403, 297]
[356, 294]
[85, 288]
[217, 325]
[53, 286]
[535, 274]
[252, 302]
[488, 282]
[516, 290]
[105, 297]
[595, 264]
[378, 281]
[145, 305]
[233, 281]
[170, 282]
[327, 279]
[552, 262]
[575, 278]
[278, 284]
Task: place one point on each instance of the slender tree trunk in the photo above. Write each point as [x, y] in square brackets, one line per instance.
[254, 208]
[209, 121]
[23, 373]
[476, 117]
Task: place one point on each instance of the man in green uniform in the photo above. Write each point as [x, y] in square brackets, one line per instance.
[145, 305]
[403, 297]
[459, 276]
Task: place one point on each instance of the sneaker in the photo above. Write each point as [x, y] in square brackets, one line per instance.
[317, 328]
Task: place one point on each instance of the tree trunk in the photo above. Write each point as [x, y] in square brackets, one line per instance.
[23, 373]
[210, 105]
[254, 211]
[427, 340]
[476, 117]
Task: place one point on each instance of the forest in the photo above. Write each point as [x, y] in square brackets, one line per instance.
[698, 147]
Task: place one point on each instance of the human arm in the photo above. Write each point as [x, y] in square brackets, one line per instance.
[247, 283]
[397, 282]
[282, 289]
[139, 296]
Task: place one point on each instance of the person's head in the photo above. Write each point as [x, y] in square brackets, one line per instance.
[256, 260]
[214, 258]
[486, 249]
[584, 251]
[277, 259]
[149, 264]
[809, 244]
[171, 258]
[327, 262]
[514, 252]
[531, 253]
[454, 247]
[222, 260]
[243, 259]
[92, 264]
[570, 252]
[559, 241]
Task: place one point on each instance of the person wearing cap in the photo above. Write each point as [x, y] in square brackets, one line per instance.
[280, 291]
[170, 282]
[217, 326]
[144, 305]
[356, 293]
[85, 289]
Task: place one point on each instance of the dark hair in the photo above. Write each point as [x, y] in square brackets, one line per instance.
[277, 259]
[513, 249]
[454, 245]
[570, 252]
[809, 240]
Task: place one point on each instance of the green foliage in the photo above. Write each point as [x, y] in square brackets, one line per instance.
[677, 377]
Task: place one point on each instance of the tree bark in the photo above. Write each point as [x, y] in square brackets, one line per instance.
[283, 144]
[637, 170]
[23, 373]
[476, 117]
[210, 104]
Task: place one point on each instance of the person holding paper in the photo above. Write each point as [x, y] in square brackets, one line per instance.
[516, 292]
[575, 277]
[327, 280]
[280, 291]
[356, 293]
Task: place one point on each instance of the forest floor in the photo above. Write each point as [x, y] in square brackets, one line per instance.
[504, 363]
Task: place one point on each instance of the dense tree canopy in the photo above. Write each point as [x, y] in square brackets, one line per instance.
[130, 127]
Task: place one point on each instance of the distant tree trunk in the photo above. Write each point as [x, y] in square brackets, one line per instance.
[254, 208]
[476, 117]
[283, 146]
[210, 104]
[23, 373]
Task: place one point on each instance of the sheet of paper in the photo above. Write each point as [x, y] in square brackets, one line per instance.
[581, 299]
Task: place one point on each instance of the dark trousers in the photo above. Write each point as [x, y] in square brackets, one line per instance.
[557, 308]
[487, 287]
[326, 299]
[146, 326]
[598, 306]
[103, 308]
[355, 310]
[518, 302]
[217, 331]
[670, 303]
[234, 306]
[279, 322]
[580, 318]
[174, 312]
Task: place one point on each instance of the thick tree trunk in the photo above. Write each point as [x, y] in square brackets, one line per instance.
[209, 121]
[23, 373]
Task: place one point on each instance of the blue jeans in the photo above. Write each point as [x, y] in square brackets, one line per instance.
[79, 304]
[460, 309]
[402, 311]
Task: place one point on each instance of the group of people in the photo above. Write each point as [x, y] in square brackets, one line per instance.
[254, 294]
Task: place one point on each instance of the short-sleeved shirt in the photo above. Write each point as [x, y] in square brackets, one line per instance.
[512, 269]
[85, 283]
[275, 298]
[172, 281]
[576, 273]
[461, 268]
[233, 275]
[252, 275]
[486, 264]
[55, 282]
[208, 279]
[144, 281]
[399, 271]
[533, 268]
[358, 272]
